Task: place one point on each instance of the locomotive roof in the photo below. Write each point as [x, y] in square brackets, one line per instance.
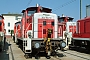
[70, 18]
[2, 17]
[86, 18]
[35, 8]
[17, 22]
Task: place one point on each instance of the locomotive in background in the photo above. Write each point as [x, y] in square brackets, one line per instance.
[66, 29]
[81, 38]
[2, 33]
[17, 26]
[38, 32]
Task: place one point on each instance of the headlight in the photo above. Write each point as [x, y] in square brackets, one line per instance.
[37, 45]
[62, 44]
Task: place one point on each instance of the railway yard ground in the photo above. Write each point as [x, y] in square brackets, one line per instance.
[13, 52]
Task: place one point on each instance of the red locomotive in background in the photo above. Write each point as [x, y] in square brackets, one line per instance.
[82, 36]
[2, 33]
[66, 29]
[17, 31]
[38, 32]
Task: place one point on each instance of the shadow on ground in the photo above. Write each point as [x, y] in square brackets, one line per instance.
[4, 55]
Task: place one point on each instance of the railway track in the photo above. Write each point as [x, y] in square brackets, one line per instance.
[63, 55]
[11, 57]
[12, 52]
[76, 55]
[7, 53]
[67, 55]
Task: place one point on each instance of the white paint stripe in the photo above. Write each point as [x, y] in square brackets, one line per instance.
[26, 30]
[23, 32]
[27, 27]
[53, 33]
[42, 30]
[32, 27]
[10, 52]
[42, 23]
[88, 39]
[61, 30]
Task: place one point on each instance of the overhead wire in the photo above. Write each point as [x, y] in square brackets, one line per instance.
[67, 3]
[28, 3]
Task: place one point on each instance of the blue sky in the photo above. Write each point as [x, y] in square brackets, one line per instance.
[70, 9]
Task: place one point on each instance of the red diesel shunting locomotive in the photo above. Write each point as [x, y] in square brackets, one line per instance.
[38, 32]
[2, 32]
[82, 36]
[16, 31]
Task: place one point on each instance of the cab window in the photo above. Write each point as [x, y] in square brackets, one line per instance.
[69, 20]
[52, 23]
[0, 18]
[30, 13]
[44, 23]
[61, 20]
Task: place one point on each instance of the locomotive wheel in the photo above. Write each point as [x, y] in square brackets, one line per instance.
[53, 53]
[26, 56]
[69, 47]
[48, 57]
[30, 56]
[0, 50]
[37, 57]
[17, 42]
[60, 55]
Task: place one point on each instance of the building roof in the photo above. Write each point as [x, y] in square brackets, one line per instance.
[11, 14]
